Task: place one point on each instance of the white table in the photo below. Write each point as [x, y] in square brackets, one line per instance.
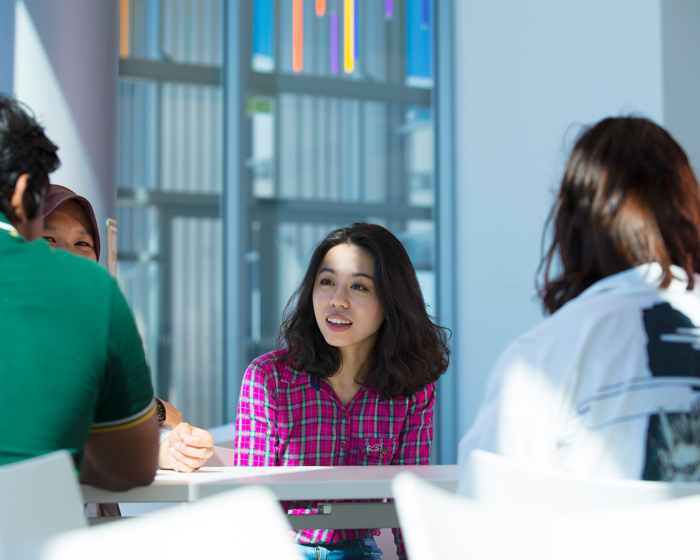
[292, 483]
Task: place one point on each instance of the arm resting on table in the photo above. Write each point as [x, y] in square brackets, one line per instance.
[122, 459]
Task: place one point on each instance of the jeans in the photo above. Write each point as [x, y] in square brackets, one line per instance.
[364, 547]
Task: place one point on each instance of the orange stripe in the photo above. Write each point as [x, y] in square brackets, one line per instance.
[123, 28]
[298, 35]
[124, 426]
[320, 7]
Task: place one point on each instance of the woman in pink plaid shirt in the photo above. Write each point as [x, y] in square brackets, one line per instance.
[353, 380]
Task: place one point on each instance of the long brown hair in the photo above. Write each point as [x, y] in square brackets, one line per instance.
[411, 351]
[628, 197]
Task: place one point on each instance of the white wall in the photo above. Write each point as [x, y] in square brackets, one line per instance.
[526, 75]
[66, 69]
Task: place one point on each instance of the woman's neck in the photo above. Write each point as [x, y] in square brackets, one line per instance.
[348, 381]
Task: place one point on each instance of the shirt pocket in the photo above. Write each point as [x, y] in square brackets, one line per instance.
[374, 451]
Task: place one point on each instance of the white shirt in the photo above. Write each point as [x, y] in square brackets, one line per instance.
[606, 386]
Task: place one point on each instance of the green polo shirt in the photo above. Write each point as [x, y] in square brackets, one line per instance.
[71, 359]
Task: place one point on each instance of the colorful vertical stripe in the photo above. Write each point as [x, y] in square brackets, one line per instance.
[357, 30]
[124, 29]
[298, 35]
[424, 14]
[388, 9]
[320, 8]
[263, 28]
[419, 50]
[349, 36]
[334, 54]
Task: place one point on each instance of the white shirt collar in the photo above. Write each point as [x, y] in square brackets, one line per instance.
[7, 227]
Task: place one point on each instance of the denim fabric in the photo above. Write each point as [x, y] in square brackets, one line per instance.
[364, 547]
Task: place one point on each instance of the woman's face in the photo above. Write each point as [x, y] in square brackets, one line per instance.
[68, 228]
[346, 305]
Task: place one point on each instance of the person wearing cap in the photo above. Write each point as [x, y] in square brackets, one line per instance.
[70, 224]
[73, 373]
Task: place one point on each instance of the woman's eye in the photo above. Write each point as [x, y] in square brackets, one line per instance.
[358, 287]
[83, 244]
[325, 282]
[49, 239]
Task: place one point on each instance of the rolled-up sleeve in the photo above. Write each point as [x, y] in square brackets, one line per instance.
[256, 437]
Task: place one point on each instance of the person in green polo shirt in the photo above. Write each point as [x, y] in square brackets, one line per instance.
[73, 374]
[70, 225]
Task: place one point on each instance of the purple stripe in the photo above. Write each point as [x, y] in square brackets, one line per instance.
[388, 9]
[334, 43]
[357, 29]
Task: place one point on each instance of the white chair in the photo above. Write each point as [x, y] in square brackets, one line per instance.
[438, 525]
[499, 480]
[39, 498]
[246, 523]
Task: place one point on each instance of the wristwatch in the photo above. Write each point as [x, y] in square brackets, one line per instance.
[160, 411]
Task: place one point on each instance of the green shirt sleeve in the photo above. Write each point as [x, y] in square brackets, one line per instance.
[127, 394]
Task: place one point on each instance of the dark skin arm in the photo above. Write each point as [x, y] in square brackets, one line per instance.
[122, 459]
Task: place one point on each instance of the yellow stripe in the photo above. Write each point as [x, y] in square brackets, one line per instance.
[124, 426]
[349, 28]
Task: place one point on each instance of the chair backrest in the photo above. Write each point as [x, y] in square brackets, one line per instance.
[39, 498]
[246, 523]
[437, 524]
[495, 479]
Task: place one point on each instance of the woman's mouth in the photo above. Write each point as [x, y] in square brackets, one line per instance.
[338, 325]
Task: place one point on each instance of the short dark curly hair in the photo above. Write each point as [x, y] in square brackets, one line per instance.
[411, 351]
[24, 148]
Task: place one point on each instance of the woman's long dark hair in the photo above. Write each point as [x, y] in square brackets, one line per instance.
[628, 197]
[411, 351]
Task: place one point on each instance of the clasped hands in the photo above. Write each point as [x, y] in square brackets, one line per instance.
[187, 449]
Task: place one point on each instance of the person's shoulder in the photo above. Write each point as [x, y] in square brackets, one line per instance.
[59, 267]
[268, 364]
[73, 266]
[273, 366]
[269, 360]
[424, 395]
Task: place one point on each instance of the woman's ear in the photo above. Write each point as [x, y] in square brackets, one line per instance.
[17, 198]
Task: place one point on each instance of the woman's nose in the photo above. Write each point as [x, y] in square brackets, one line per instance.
[339, 298]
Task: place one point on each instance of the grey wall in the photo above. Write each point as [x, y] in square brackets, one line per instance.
[7, 44]
[66, 70]
[681, 67]
[527, 74]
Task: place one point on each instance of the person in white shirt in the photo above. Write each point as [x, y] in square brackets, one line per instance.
[609, 384]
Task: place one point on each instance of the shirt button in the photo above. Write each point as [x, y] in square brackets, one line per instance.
[383, 451]
[342, 443]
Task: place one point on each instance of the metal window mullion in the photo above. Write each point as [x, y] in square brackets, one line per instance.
[445, 228]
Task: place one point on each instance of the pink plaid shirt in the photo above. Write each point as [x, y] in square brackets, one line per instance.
[289, 418]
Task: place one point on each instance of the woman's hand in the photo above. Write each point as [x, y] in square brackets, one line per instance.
[186, 449]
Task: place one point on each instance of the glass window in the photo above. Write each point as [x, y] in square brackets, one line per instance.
[337, 126]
